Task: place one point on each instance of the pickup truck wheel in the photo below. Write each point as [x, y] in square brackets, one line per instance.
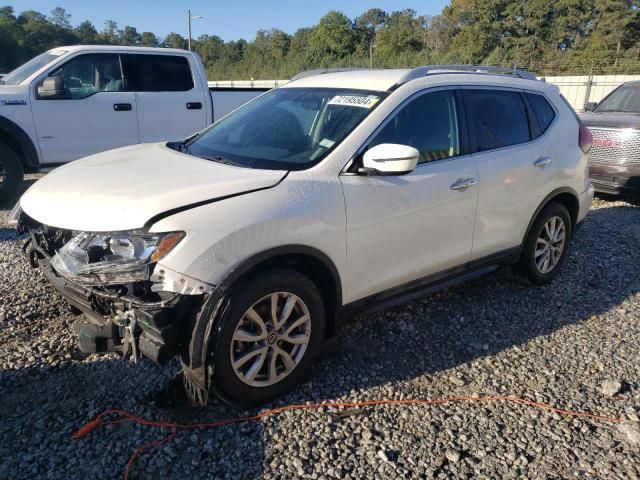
[547, 244]
[11, 174]
[272, 331]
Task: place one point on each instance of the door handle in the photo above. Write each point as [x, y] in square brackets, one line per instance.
[122, 107]
[194, 106]
[542, 162]
[464, 183]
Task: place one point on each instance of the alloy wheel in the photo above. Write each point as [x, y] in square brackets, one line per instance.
[271, 339]
[550, 244]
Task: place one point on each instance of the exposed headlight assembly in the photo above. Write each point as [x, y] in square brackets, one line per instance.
[113, 258]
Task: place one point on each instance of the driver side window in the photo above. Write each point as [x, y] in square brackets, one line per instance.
[429, 123]
[89, 74]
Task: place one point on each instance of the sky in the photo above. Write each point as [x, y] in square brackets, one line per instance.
[229, 19]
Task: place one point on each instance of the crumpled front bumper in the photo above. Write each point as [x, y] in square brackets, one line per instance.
[159, 327]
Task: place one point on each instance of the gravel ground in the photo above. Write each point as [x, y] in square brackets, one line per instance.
[572, 344]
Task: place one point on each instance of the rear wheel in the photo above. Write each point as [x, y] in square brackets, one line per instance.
[546, 245]
[272, 331]
[11, 174]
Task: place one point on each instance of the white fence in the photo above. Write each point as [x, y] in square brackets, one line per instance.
[578, 90]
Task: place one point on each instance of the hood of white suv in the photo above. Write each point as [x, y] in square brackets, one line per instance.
[123, 189]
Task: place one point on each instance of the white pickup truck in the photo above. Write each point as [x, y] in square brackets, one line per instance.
[71, 102]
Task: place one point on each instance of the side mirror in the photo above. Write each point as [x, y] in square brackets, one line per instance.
[52, 88]
[389, 159]
[590, 107]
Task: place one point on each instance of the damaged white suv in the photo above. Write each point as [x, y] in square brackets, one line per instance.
[241, 248]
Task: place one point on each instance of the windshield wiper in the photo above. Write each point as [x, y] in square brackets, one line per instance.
[219, 159]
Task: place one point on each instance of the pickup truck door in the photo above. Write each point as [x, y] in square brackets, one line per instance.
[170, 95]
[94, 114]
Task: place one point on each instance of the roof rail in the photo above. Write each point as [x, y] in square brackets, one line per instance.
[322, 71]
[434, 69]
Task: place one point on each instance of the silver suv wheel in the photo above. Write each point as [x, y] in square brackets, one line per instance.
[270, 339]
[550, 244]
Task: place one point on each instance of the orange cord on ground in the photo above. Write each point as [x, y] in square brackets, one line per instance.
[128, 417]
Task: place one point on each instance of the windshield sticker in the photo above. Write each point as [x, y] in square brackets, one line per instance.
[354, 101]
[57, 52]
[326, 143]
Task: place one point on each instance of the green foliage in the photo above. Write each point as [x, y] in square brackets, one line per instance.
[547, 36]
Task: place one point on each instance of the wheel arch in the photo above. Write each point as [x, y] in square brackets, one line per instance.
[16, 138]
[304, 259]
[566, 196]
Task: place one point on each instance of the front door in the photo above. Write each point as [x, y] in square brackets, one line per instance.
[95, 114]
[171, 106]
[406, 227]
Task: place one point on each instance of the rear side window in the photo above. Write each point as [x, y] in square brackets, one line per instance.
[497, 119]
[542, 110]
[158, 73]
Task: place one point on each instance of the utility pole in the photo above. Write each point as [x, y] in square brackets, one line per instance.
[371, 46]
[190, 18]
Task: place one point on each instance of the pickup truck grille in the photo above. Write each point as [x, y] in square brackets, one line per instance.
[613, 146]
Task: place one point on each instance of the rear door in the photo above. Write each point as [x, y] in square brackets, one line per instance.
[171, 102]
[94, 115]
[516, 166]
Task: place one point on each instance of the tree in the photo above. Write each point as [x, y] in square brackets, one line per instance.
[149, 39]
[129, 36]
[60, 18]
[332, 38]
[87, 33]
[110, 33]
[550, 36]
[175, 40]
[368, 24]
[402, 32]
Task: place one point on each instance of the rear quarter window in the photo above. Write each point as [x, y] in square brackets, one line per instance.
[543, 112]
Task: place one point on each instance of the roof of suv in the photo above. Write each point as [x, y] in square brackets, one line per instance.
[120, 48]
[385, 79]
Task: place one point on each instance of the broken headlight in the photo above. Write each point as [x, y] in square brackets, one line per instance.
[112, 258]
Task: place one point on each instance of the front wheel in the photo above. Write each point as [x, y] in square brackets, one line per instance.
[272, 331]
[11, 174]
[547, 244]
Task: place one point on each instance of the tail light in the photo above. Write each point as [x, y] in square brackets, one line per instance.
[585, 138]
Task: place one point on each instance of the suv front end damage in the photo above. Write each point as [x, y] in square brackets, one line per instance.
[131, 305]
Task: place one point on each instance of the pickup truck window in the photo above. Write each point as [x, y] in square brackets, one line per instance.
[624, 99]
[157, 73]
[89, 74]
[286, 128]
[20, 74]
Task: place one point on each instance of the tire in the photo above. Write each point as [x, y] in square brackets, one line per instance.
[534, 267]
[11, 174]
[236, 386]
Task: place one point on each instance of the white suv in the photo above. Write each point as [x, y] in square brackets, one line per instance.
[241, 249]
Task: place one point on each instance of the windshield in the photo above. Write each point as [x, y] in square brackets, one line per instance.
[624, 99]
[285, 129]
[25, 70]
